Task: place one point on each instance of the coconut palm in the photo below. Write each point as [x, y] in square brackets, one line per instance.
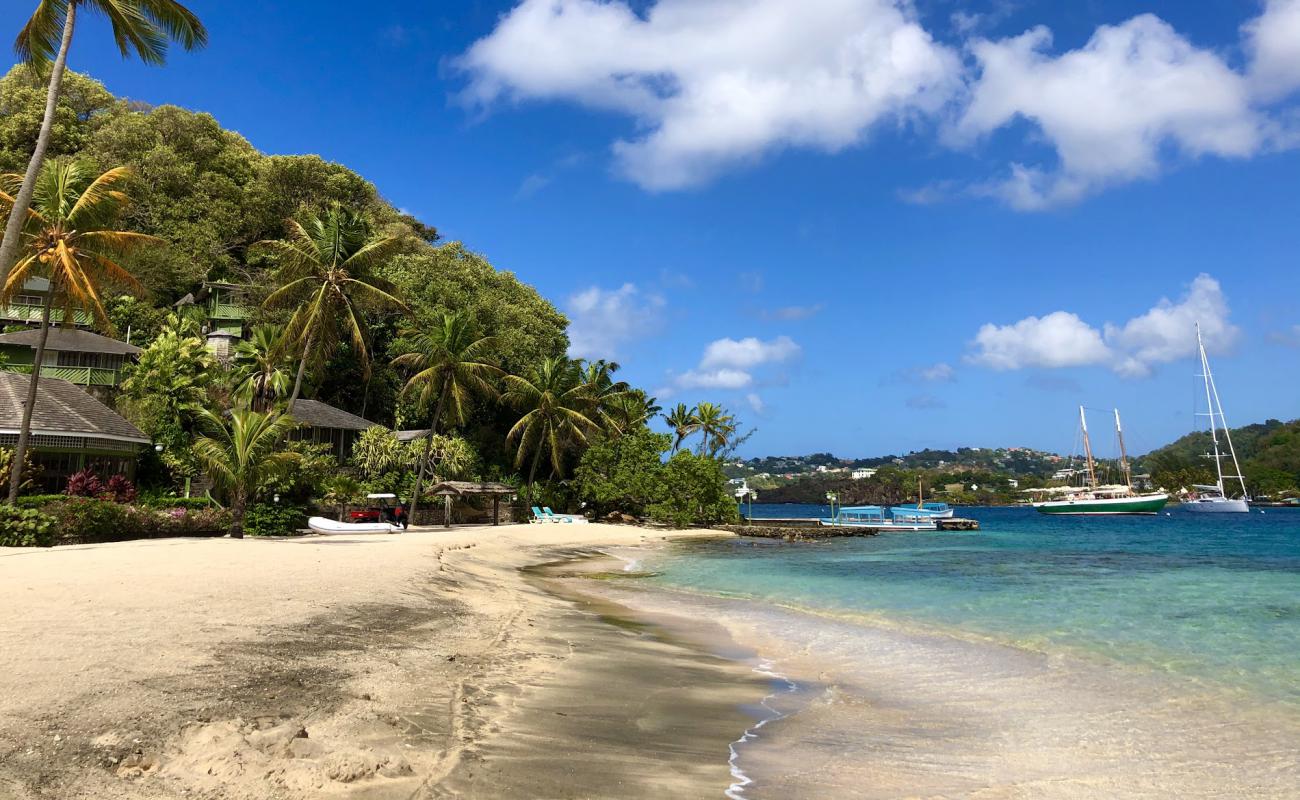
[715, 426]
[257, 368]
[326, 262]
[70, 239]
[243, 452]
[451, 367]
[629, 410]
[683, 421]
[143, 27]
[556, 402]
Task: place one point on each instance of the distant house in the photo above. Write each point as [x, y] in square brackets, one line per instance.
[80, 357]
[26, 306]
[71, 431]
[325, 424]
[862, 473]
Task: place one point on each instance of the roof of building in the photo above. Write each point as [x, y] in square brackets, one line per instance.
[471, 487]
[71, 339]
[412, 435]
[61, 408]
[324, 415]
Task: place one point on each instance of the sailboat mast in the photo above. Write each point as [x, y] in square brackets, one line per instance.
[1211, 390]
[1087, 450]
[1209, 407]
[1123, 453]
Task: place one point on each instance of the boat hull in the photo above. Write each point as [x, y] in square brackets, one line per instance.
[1217, 505]
[1146, 504]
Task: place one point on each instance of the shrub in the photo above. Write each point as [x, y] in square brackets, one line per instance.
[694, 492]
[274, 519]
[39, 501]
[25, 527]
[162, 501]
[84, 484]
[623, 474]
[120, 489]
[201, 522]
[86, 520]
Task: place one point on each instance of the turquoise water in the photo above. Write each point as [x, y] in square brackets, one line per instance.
[1215, 601]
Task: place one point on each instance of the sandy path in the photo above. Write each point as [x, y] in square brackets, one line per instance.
[316, 667]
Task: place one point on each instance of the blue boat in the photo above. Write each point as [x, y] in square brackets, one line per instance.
[873, 517]
[924, 511]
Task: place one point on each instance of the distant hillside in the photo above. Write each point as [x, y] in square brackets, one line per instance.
[1269, 453]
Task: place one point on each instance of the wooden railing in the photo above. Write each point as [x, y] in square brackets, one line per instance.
[25, 313]
[82, 376]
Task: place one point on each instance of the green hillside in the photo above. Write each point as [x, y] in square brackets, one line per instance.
[1269, 454]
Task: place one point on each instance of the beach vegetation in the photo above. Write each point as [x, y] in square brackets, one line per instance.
[693, 493]
[556, 406]
[449, 365]
[623, 473]
[326, 269]
[259, 374]
[242, 453]
[274, 519]
[69, 236]
[144, 28]
[26, 527]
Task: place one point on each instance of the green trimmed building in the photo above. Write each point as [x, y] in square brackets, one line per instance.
[76, 356]
[225, 315]
[71, 431]
[25, 308]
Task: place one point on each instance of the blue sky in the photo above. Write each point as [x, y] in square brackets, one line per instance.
[866, 227]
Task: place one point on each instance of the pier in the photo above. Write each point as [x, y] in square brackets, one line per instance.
[795, 529]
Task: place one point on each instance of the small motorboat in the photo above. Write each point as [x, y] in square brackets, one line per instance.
[332, 527]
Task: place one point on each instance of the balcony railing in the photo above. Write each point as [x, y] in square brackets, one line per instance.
[25, 313]
[82, 376]
[227, 311]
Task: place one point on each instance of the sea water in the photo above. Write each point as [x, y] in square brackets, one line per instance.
[1204, 597]
[1041, 656]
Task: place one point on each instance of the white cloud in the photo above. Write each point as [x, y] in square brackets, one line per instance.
[531, 185]
[1289, 337]
[1059, 339]
[602, 320]
[1168, 331]
[1273, 41]
[1109, 108]
[936, 373]
[714, 379]
[748, 353]
[730, 363]
[1165, 333]
[756, 403]
[717, 83]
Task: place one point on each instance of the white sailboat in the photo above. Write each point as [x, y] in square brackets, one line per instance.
[1095, 498]
[1216, 498]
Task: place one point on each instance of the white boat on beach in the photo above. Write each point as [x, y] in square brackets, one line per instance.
[1215, 499]
[332, 527]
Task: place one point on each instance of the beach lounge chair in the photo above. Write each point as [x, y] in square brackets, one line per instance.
[561, 517]
[539, 517]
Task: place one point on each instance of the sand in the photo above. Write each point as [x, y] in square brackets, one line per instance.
[414, 666]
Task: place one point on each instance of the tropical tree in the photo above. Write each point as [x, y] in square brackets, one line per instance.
[257, 368]
[684, 421]
[628, 411]
[715, 426]
[326, 264]
[166, 389]
[450, 362]
[242, 453]
[70, 239]
[555, 401]
[143, 27]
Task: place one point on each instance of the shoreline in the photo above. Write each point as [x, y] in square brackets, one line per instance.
[412, 666]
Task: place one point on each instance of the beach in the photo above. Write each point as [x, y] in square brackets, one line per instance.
[552, 661]
[420, 665]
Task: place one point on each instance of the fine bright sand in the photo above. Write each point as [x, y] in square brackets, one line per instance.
[424, 665]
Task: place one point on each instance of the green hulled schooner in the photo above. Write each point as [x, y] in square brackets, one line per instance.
[1099, 499]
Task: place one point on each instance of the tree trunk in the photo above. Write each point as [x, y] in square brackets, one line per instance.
[25, 432]
[532, 473]
[428, 448]
[237, 508]
[302, 370]
[23, 202]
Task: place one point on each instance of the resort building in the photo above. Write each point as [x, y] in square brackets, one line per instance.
[25, 309]
[81, 357]
[224, 315]
[71, 431]
[325, 424]
[862, 473]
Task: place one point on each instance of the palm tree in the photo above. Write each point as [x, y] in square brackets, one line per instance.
[326, 263]
[242, 453]
[257, 370]
[70, 240]
[556, 401]
[716, 427]
[143, 27]
[629, 410]
[450, 362]
[683, 421]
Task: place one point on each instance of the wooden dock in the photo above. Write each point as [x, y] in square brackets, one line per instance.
[809, 528]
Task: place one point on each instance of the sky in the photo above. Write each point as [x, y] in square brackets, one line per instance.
[865, 226]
